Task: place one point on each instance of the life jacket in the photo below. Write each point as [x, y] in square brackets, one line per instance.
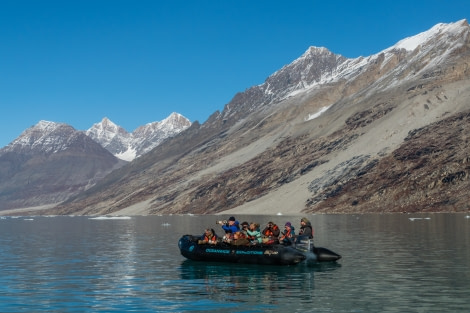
[268, 232]
[240, 235]
[210, 237]
[287, 234]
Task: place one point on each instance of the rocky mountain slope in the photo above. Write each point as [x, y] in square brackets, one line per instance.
[48, 163]
[384, 133]
[128, 146]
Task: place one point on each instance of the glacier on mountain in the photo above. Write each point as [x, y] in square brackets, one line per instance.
[128, 146]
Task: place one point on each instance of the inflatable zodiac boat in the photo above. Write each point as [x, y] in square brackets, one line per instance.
[267, 254]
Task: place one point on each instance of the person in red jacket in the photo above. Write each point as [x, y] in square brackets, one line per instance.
[288, 234]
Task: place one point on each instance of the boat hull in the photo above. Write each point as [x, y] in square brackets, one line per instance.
[252, 254]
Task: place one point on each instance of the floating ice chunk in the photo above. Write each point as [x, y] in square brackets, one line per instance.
[111, 218]
[419, 218]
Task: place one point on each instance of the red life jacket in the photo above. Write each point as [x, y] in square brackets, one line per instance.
[269, 232]
[287, 235]
[210, 238]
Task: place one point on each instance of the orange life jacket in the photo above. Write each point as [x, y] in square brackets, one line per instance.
[269, 232]
[210, 238]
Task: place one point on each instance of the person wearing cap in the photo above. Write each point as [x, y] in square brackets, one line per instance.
[230, 227]
[287, 234]
[306, 228]
[271, 233]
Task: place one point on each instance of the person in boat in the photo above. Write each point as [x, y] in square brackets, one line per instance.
[239, 239]
[271, 233]
[287, 235]
[209, 237]
[244, 228]
[306, 229]
[230, 227]
[254, 233]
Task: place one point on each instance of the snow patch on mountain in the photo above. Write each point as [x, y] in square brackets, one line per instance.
[46, 136]
[411, 43]
[331, 68]
[317, 114]
[128, 146]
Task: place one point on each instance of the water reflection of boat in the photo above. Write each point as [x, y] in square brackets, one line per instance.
[200, 270]
[272, 254]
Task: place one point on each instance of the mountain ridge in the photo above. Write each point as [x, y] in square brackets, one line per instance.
[311, 138]
[51, 162]
[128, 146]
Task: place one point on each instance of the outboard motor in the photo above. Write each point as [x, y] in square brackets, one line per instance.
[306, 245]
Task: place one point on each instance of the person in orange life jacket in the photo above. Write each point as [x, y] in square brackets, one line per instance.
[306, 228]
[287, 234]
[271, 233]
[209, 236]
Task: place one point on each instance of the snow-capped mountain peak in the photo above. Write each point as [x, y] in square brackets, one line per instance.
[319, 66]
[105, 131]
[127, 146]
[45, 135]
[411, 43]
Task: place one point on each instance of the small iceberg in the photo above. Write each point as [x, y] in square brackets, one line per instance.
[418, 218]
[111, 218]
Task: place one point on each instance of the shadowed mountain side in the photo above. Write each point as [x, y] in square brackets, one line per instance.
[52, 177]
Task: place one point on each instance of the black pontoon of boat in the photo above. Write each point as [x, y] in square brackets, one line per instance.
[268, 254]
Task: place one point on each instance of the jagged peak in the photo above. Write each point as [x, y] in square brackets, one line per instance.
[411, 43]
[45, 135]
[173, 117]
[315, 53]
[105, 123]
[46, 125]
[312, 50]
[176, 117]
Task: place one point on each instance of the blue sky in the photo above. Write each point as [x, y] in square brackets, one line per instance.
[136, 62]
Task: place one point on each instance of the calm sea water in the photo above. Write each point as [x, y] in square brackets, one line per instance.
[391, 263]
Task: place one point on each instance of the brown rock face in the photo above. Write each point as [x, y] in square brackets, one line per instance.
[429, 172]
